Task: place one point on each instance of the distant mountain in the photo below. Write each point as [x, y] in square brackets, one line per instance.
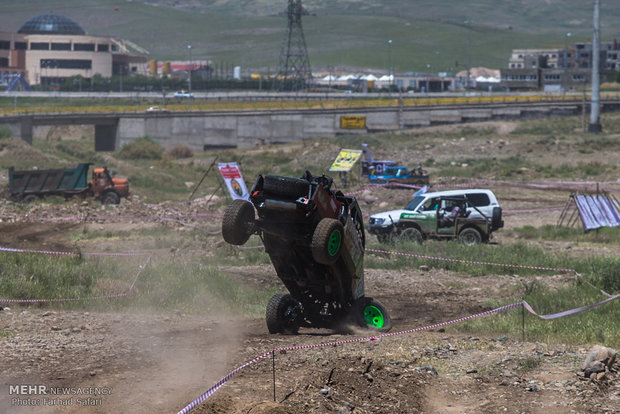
[437, 35]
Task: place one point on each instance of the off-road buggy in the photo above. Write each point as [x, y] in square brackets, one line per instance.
[315, 239]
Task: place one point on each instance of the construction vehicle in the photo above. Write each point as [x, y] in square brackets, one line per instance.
[31, 185]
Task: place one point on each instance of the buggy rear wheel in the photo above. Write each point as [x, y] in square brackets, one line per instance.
[371, 314]
[470, 237]
[327, 241]
[284, 314]
[238, 222]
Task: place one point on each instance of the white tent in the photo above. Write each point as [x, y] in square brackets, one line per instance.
[346, 77]
[370, 77]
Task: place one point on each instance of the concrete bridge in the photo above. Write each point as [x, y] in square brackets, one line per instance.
[233, 129]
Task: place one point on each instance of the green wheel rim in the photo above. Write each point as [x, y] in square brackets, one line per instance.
[333, 244]
[373, 316]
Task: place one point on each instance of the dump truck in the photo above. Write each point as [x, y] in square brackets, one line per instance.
[31, 185]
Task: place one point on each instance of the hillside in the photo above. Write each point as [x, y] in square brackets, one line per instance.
[343, 34]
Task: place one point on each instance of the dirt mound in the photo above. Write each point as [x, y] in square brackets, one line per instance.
[19, 150]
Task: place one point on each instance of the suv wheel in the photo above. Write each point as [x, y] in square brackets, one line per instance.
[370, 313]
[327, 241]
[470, 237]
[284, 314]
[411, 234]
[238, 222]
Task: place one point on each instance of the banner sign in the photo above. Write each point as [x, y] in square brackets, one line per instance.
[345, 160]
[352, 122]
[597, 211]
[234, 180]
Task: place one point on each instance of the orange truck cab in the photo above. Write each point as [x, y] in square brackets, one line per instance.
[108, 189]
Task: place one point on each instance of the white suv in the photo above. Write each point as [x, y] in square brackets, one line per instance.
[486, 205]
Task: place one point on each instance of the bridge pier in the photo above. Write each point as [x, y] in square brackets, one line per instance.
[106, 137]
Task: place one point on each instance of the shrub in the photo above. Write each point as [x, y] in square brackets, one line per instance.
[144, 148]
[180, 151]
[5, 132]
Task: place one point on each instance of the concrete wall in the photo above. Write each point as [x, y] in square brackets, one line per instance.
[210, 130]
[201, 131]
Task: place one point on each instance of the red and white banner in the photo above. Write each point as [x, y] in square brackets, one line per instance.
[234, 180]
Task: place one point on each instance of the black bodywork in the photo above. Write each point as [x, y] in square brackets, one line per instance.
[287, 220]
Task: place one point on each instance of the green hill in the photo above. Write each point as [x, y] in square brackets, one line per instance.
[344, 34]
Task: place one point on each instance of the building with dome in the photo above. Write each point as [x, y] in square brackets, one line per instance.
[49, 48]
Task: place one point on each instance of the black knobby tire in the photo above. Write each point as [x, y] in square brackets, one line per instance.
[30, 198]
[411, 234]
[286, 187]
[327, 241]
[284, 314]
[111, 198]
[238, 222]
[470, 237]
[369, 313]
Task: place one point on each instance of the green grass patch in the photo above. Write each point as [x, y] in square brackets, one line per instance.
[550, 127]
[5, 132]
[607, 235]
[482, 167]
[144, 148]
[529, 363]
[5, 333]
[198, 287]
[600, 325]
[36, 276]
[163, 285]
[601, 270]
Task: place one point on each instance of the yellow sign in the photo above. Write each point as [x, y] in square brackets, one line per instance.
[352, 122]
[345, 160]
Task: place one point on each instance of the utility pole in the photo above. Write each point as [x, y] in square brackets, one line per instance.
[468, 53]
[294, 71]
[189, 72]
[390, 65]
[595, 104]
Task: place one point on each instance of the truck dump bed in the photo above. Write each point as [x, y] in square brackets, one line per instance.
[49, 181]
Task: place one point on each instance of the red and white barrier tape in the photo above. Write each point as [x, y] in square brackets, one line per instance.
[202, 398]
[229, 376]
